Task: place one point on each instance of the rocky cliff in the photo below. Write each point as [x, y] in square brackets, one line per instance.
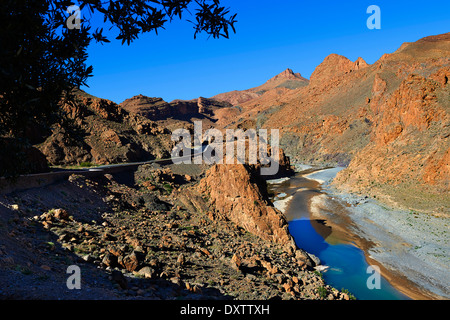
[286, 79]
[237, 195]
[178, 113]
[388, 122]
[99, 131]
[407, 161]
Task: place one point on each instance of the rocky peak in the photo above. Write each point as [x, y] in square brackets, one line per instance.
[143, 105]
[335, 65]
[141, 99]
[360, 63]
[234, 195]
[287, 74]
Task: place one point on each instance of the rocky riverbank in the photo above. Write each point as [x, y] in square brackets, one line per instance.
[412, 246]
[409, 244]
[147, 235]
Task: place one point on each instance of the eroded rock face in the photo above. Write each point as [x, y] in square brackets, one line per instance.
[387, 122]
[145, 106]
[287, 74]
[61, 149]
[335, 65]
[233, 190]
[409, 151]
[157, 109]
[287, 79]
[101, 132]
[236, 97]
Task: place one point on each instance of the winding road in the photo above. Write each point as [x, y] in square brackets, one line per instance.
[29, 181]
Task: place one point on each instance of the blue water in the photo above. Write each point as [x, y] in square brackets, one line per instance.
[348, 266]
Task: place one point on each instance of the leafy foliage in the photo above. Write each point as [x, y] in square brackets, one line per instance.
[37, 64]
[42, 60]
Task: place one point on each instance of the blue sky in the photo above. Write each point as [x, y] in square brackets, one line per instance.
[271, 36]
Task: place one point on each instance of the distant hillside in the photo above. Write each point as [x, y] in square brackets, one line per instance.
[287, 79]
[176, 114]
[388, 122]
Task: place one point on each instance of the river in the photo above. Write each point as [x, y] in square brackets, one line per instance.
[332, 242]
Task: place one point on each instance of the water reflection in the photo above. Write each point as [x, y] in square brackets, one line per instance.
[332, 245]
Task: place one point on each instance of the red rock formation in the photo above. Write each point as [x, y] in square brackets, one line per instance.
[286, 79]
[232, 191]
[335, 65]
[102, 132]
[236, 97]
[389, 121]
[287, 74]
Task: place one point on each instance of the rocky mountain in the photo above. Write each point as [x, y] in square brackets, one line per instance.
[98, 131]
[178, 113]
[154, 238]
[285, 80]
[387, 122]
[287, 74]
[250, 207]
[157, 109]
[211, 231]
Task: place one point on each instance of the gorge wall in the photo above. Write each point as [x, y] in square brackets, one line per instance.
[388, 123]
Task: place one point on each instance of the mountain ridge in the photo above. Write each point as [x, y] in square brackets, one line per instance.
[367, 117]
[387, 122]
[286, 79]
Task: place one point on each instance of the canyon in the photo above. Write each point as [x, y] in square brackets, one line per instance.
[387, 123]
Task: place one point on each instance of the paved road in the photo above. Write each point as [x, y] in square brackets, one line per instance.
[30, 181]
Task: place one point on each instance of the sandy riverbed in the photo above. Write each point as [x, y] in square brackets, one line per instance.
[412, 247]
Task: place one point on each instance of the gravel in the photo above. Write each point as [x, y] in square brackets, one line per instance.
[413, 244]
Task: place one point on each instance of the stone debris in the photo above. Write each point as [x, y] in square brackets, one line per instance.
[149, 251]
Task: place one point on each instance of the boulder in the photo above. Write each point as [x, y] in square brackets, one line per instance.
[235, 195]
